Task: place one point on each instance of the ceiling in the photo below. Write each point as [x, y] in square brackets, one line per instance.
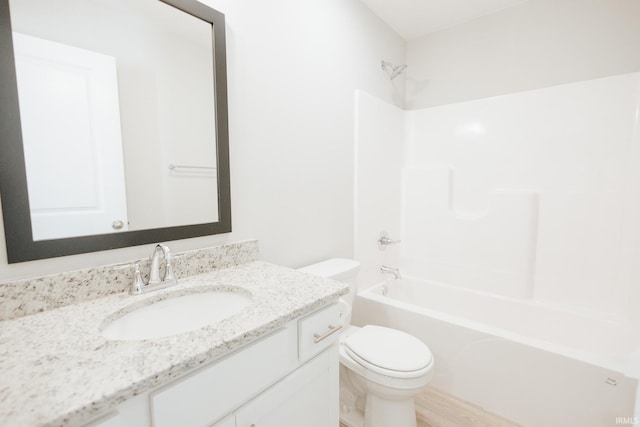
[415, 18]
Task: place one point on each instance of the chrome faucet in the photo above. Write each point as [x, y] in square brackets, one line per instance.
[394, 271]
[155, 282]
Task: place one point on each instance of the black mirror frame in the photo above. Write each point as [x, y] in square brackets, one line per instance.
[13, 179]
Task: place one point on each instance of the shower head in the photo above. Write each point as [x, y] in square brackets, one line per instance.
[393, 70]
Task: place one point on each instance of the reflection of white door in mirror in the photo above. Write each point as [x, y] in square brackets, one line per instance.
[70, 117]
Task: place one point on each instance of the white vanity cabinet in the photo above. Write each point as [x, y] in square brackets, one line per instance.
[289, 378]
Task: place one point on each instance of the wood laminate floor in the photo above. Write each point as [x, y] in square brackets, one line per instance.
[437, 409]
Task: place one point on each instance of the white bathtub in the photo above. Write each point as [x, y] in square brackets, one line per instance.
[535, 364]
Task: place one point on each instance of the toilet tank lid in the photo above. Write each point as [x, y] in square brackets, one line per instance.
[335, 268]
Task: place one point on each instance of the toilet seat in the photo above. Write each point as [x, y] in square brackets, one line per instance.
[388, 352]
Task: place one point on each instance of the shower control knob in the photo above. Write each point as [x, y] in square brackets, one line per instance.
[117, 225]
[384, 240]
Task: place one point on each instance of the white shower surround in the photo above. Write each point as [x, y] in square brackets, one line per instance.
[530, 199]
[576, 149]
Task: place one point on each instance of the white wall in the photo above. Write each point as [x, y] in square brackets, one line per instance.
[536, 44]
[293, 68]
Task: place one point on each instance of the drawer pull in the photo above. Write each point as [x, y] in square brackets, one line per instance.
[332, 330]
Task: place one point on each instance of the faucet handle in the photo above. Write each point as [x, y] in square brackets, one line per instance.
[138, 283]
[168, 273]
[384, 240]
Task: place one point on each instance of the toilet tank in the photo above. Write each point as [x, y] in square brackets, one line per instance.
[341, 269]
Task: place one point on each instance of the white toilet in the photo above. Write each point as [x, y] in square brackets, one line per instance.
[382, 369]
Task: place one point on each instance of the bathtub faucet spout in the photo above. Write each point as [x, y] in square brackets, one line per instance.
[394, 271]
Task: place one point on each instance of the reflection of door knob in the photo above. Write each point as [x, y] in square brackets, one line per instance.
[117, 225]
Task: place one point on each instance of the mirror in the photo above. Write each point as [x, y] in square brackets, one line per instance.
[114, 129]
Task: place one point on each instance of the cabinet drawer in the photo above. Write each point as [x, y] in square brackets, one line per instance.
[211, 392]
[320, 330]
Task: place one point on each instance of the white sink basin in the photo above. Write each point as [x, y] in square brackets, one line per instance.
[176, 315]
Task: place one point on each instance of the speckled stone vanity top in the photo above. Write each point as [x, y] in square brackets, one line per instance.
[56, 368]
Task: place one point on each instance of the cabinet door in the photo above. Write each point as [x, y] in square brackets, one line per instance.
[307, 397]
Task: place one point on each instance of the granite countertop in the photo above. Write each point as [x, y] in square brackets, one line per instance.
[57, 369]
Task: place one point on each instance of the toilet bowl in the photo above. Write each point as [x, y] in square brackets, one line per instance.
[382, 369]
[390, 368]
